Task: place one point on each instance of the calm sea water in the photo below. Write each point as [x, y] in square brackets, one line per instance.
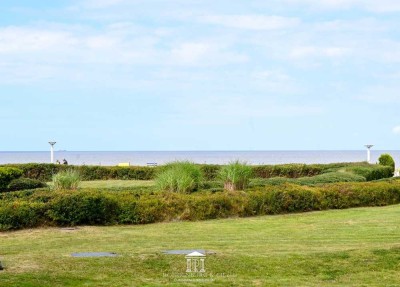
[111, 158]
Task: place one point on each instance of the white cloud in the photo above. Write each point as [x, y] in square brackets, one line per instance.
[204, 53]
[396, 130]
[314, 51]
[23, 39]
[252, 22]
[381, 6]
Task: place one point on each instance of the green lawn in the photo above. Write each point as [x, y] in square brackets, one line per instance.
[355, 247]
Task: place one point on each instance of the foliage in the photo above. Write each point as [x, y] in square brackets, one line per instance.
[236, 175]
[82, 208]
[68, 179]
[45, 172]
[330, 177]
[29, 208]
[371, 172]
[387, 160]
[181, 177]
[7, 174]
[25, 183]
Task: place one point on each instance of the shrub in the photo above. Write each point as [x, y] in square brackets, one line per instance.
[20, 214]
[179, 177]
[387, 160]
[22, 209]
[236, 175]
[83, 208]
[7, 174]
[371, 172]
[25, 183]
[330, 177]
[68, 179]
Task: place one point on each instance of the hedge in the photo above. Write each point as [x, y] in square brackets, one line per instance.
[44, 172]
[7, 174]
[29, 209]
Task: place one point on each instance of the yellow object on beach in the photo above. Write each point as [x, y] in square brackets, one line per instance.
[124, 164]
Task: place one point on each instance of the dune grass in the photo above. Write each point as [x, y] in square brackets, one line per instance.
[355, 247]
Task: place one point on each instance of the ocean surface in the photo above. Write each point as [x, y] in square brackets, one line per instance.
[142, 158]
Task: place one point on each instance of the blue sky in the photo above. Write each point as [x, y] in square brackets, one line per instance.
[200, 75]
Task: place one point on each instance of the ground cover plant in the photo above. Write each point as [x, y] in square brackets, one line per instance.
[353, 247]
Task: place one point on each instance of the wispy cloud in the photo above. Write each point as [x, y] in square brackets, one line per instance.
[396, 130]
[252, 22]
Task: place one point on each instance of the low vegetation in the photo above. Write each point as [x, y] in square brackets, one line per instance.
[66, 180]
[183, 177]
[235, 176]
[354, 247]
[67, 208]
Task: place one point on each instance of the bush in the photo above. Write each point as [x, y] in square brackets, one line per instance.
[7, 174]
[236, 175]
[68, 179]
[371, 172]
[83, 208]
[181, 177]
[387, 160]
[330, 177]
[22, 209]
[25, 183]
[20, 214]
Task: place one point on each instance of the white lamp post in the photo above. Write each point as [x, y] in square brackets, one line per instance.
[52, 151]
[368, 146]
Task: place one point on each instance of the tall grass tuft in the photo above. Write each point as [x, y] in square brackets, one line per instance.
[235, 175]
[179, 176]
[67, 179]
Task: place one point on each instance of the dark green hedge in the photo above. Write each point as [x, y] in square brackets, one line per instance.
[7, 174]
[30, 209]
[44, 172]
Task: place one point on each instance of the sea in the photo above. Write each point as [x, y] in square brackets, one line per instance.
[146, 158]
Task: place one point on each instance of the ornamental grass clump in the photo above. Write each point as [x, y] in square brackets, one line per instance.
[180, 176]
[66, 180]
[236, 175]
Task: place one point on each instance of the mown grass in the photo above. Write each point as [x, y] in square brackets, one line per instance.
[355, 247]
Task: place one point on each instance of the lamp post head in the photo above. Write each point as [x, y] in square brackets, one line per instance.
[52, 143]
[368, 146]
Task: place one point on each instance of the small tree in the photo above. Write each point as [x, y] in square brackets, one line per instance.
[387, 160]
[236, 175]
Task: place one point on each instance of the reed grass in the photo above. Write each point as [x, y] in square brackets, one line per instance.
[236, 175]
[66, 180]
[179, 176]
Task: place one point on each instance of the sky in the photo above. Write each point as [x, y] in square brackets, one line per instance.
[135, 75]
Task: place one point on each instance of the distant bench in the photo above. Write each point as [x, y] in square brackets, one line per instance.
[151, 164]
[124, 164]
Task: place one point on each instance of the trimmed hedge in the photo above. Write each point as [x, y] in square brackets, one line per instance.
[372, 172]
[7, 174]
[25, 183]
[29, 209]
[44, 172]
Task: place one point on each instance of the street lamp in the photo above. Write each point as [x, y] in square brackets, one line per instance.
[52, 151]
[368, 146]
